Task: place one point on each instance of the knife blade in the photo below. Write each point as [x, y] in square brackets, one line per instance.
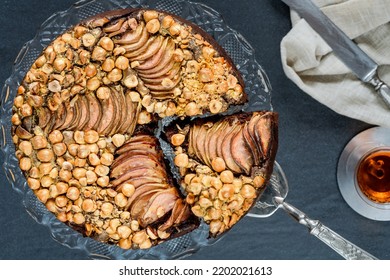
[343, 47]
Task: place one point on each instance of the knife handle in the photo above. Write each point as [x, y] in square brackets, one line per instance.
[339, 244]
[382, 89]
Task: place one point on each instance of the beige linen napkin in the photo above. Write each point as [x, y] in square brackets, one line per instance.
[310, 63]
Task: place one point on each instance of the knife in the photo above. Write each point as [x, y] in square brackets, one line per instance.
[344, 48]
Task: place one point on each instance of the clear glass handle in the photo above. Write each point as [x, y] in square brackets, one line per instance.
[339, 244]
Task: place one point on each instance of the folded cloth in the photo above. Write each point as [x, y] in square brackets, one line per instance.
[310, 63]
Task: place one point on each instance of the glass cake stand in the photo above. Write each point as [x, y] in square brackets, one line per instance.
[256, 84]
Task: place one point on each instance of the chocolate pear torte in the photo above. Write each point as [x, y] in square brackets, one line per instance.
[84, 127]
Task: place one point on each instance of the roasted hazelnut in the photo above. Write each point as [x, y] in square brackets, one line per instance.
[106, 43]
[175, 29]
[215, 226]
[93, 84]
[206, 75]
[177, 139]
[21, 89]
[59, 46]
[231, 81]
[191, 109]
[215, 106]
[218, 164]
[83, 151]
[43, 195]
[18, 101]
[205, 202]
[167, 21]
[214, 214]
[124, 231]
[54, 86]
[34, 184]
[128, 189]
[195, 188]
[99, 54]
[73, 193]
[39, 142]
[103, 181]
[79, 172]
[35, 101]
[107, 208]
[45, 168]
[26, 147]
[88, 40]
[61, 201]
[167, 83]
[139, 237]
[26, 110]
[65, 175]
[223, 87]
[88, 205]
[153, 26]
[45, 155]
[91, 177]
[163, 234]
[102, 170]
[208, 52]
[248, 191]
[226, 192]
[103, 93]
[40, 61]
[149, 15]
[78, 137]
[122, 62]
[51, 206]
[90, 70]
[78, 218]
[91, 136]
[120, 200]
[115, 75]
[84, 58]
[227, 176]
[59, 149]
[118, 140]
[106, 159]
[73, 149]
[25, 163]
[79, 31]
[188, 178]
[125, 244]
[55, 137]
[60, 63]
[130, 81]
[181, 160]
[258, 181]
[16, 119]
[144, 117]
[108, 65]
[198, 211]
[62, 217]
[54, 173]
[93, 159]
[192, 67]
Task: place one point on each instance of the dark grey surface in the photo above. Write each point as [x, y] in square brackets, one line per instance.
[311, 140]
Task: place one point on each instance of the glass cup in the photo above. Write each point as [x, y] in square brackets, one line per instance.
[363, 173]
